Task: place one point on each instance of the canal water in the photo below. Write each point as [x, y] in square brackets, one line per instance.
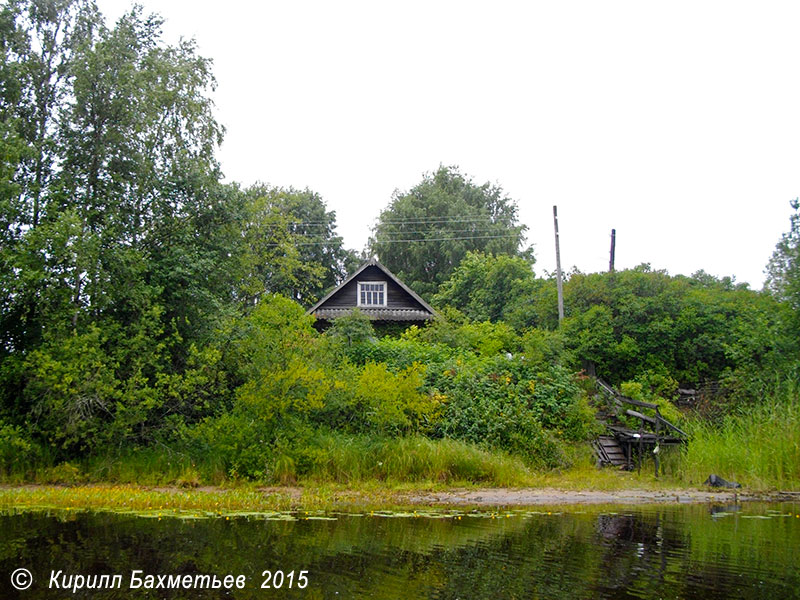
[688, 551]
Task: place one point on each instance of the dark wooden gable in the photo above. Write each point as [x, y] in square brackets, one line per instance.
[402, 304]
[346, 296]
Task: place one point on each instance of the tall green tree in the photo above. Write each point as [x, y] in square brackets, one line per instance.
[490, 288]
[117, 269]
[51, 32]
[424, 233]
[783, 270]
[290, 245]
[13, 46]
[38, 40]
[138, 142]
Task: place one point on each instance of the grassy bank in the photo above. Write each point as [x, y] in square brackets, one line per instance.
[137, 499]
[355, 472]
[337, 459]
[758, 447]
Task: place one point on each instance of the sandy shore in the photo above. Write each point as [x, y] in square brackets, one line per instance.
[548, 496]
[295, 497]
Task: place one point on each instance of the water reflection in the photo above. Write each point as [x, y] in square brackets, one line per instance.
[749, 551]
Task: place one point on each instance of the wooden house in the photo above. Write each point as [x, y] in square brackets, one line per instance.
[378, 294]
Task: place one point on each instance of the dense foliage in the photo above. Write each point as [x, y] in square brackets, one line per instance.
[289, 245]
[628, 323]
[783, 270]
[302, 387]
[424, 233]
[124, 262]
[488, 287]
[146, 308]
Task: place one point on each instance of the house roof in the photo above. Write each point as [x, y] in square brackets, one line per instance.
[381, 314]
[375, 313]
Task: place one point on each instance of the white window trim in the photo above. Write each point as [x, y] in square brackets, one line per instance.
[385, 293]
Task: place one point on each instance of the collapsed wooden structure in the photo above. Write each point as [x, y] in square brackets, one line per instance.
[622, 446]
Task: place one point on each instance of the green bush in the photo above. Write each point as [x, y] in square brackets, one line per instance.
[542, 347]
[402, 353]
[507, 404]
[392, 403]
[16, 450]
[355, 328]
[649, 387]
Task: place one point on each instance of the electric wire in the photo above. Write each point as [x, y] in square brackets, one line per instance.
[413, 221]
[408, 241]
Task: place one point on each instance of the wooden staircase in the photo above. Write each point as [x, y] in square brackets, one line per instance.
[609, 452]
[623, 445]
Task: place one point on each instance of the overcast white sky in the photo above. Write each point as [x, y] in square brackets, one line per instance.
[677, 123]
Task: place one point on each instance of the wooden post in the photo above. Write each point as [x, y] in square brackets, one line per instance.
[559, 282]
[613, 246]
[628, 451]
[641, 450]
[657, 449]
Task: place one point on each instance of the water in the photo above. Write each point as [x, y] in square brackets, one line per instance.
[690, 551]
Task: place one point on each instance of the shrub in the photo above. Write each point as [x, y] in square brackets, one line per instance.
[506, 404]
[402, 353]
[16, 450]
[649, 387]
[392, 402]
[355, 328]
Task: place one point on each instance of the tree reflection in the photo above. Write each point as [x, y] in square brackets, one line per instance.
[682, 552]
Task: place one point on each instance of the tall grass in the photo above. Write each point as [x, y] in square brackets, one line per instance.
[758, 447]
[412, 459]
[329, 458]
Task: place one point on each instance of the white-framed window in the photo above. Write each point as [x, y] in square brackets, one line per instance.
[371, 293]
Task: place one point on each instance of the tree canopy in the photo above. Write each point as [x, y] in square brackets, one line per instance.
[693, 329]
[290, 245]
[493, 288]
[783, 270]
[424, 233]
[125, 264]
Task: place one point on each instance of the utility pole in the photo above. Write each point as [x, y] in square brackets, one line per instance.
[613, 246]
[558, 270]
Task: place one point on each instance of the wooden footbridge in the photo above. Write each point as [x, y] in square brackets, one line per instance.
[622, 446]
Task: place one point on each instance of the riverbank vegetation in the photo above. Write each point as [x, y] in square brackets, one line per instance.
[153, 325]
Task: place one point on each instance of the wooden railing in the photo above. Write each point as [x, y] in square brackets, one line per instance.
[626, 437]
[620, 399]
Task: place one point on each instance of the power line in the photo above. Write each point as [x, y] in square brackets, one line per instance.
[428, 231]
[396, 241]
[473, 230]
[439, 220]
[447, 231]
[419, 221]
[475, 237]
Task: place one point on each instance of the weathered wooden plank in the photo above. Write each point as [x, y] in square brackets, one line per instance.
[609, 451]
[637, 402]
[671, 426]
[639, 415]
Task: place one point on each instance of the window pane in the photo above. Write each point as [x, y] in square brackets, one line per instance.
[372, 294]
